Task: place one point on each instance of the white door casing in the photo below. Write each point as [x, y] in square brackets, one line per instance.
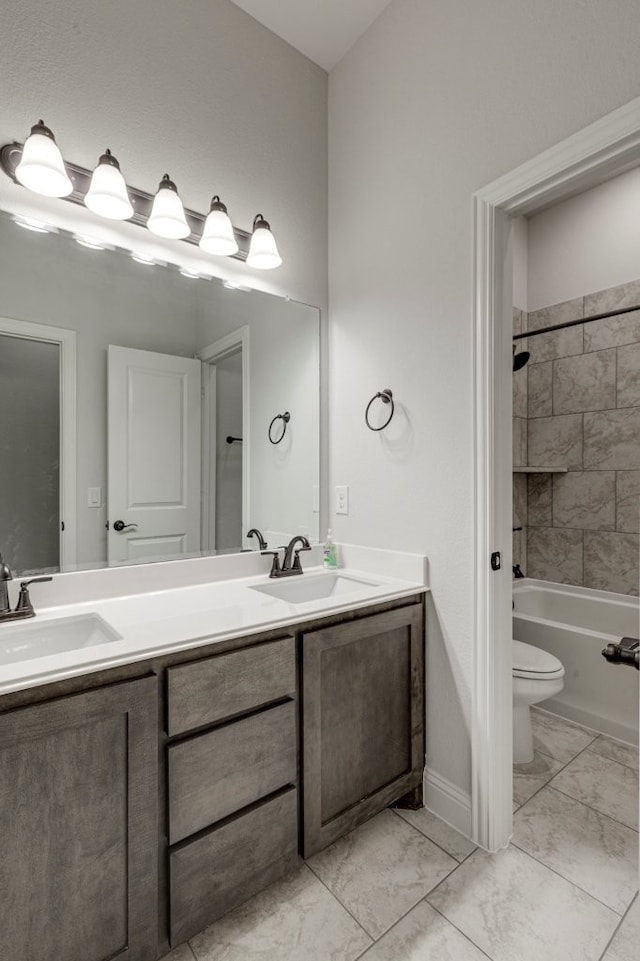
[153, 437]
[603, 150]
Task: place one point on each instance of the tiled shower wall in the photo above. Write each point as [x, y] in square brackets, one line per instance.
[576, 405]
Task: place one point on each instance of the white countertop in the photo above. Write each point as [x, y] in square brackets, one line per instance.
[153, 623]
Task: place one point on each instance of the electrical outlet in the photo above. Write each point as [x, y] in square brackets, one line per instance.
[342, 499]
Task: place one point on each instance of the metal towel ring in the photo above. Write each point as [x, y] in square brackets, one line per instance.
[285, 418]
[386, 397]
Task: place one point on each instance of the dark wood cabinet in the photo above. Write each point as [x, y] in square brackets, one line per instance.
[78, 809]
[140, 803]
[362, 720]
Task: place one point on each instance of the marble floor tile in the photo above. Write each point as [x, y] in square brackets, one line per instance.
[381, 870]
[558, 738]
[424, 935]
[626, 941]
[529, 778]
[295, 919]
[438, 831]
[516, 909]
[616, 750]
[603, 784]
[595, 853]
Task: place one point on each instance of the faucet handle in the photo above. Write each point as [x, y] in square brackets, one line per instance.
[5, 571]
[275, 564]
[24, 601]
[297, 566]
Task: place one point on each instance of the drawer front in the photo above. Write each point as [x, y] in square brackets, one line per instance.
[216, 774]
[214, 873]
[206, 691]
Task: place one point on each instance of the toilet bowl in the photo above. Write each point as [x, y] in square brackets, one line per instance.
[537, 675]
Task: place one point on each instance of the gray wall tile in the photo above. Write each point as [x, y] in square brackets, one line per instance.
[612, 439]
[558, 343]
[519, 500]
[555, 554]
[587, 382]
[556, 441]
[585, 499]
[628, 501]
[520, 392]
[611, 562]
[518, 321]
[612, 332]
[519, 442]
[556, 314]
[539, 396]
[612, 298]
[628, 376]
[539, 500]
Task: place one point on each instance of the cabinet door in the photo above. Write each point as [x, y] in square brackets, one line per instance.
[78, 809]
[363, 720]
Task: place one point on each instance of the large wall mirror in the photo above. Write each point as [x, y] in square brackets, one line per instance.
[196, 409]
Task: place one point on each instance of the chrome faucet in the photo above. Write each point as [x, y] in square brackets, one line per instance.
[24, 607]
[291, 559]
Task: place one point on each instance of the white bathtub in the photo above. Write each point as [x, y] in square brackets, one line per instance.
[575, 624]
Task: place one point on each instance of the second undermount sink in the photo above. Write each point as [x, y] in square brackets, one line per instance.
[304, 588]
[25, 640]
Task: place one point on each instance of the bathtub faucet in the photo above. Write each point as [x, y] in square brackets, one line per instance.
[517, 572]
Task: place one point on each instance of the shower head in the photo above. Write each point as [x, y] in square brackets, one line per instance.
[519, 360]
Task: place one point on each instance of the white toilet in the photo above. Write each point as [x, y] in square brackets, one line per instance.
[537, 675]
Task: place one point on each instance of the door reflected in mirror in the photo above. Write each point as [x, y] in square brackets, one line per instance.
[167, 369]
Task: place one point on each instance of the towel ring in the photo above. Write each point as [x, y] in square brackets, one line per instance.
[386, 397]
[285, 418]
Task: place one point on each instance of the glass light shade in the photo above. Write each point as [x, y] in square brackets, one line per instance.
[41, 166]
[217, 236]
[107, 194]
[167, 217]
[263, 252]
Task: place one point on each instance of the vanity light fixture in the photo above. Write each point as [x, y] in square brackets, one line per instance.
[167, 217]
[107, 194]
[263, 252]
[38, 165]
[217, 235]
[37, 226]
[41, 166]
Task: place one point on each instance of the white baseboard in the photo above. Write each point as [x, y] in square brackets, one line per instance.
[448, 801]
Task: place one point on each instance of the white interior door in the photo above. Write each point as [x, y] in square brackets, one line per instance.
[154, 454]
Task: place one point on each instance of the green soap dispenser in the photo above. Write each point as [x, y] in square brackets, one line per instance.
[329, 553]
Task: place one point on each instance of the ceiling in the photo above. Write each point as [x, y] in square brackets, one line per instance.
[322, 30]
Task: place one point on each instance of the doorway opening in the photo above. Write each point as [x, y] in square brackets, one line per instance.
[608, 147]
[38, 437]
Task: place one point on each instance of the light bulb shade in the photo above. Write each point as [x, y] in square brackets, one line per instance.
[217, 235]
[41, 166]
[263, 252]
[167, 217]
[107, 194]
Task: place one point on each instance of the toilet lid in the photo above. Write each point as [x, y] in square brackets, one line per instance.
[530, 661]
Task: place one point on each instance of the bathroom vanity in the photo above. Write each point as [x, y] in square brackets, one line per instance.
[146, 799]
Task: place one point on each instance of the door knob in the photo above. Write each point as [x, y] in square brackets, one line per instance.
[120, 526]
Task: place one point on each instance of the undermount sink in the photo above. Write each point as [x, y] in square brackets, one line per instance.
[301, 589]
[24, 640]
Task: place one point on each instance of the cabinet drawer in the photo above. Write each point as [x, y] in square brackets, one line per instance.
[214, 873]
[215, 774]
[206, 691]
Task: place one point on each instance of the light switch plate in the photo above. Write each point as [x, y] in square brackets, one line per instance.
[342, 499]
[94, 497]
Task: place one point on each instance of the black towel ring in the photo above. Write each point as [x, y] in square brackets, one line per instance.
[285, 418]
[386, 397]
